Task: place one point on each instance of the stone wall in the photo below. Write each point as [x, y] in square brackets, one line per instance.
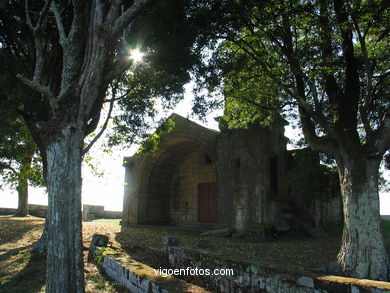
[90, 212]
[33, 210]
[140, 278]
[195, 168]
[316, 200]
[150, 178]
[7, 211]
[249, 166]
[250, 174]
[249, 278]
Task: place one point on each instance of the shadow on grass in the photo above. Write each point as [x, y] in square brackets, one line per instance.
[13, 228]
[5, 256]
[31, 278]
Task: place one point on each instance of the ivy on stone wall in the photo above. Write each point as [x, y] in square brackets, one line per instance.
[311, 179]
[151, 145]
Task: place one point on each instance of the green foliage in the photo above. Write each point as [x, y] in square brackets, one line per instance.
[256, 265]
[18, 160]
[320, 181]
[151, 145]
[271, 56]
[94, 165]
[99, 255]
[156, 84]
[386, 229]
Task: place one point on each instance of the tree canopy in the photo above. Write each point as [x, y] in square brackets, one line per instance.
[326, 63]
[65, 56]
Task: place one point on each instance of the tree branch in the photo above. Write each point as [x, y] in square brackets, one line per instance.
[7, 166]
[348, 102]
[38, 58]
[253, 103]
[42, 15]
[37, 29]
[60, 25]
[325, 144]
[332, 89]
[118, 67]
[28, 18]
[38, 87]
[379, 141]
[41, 19]
[113, 28]
[85, 150]
[77, 22]
[368, 96]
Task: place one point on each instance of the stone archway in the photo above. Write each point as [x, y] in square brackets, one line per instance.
[163, 188]
[172, 188]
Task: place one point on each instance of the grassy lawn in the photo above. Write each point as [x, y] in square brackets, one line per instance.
[20, 271]
[298, 253]
[308, 253]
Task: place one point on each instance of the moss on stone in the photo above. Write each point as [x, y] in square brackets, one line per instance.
[169, 283]
[355, 282]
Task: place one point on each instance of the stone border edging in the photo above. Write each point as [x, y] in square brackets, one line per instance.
[140, 278]
[249, 278]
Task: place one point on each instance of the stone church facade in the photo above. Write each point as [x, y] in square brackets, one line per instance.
[202, 177]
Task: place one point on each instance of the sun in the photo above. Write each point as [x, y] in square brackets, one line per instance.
[136, 55]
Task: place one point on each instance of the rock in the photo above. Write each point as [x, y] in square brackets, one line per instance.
[218, 233]
[238, 235]
[306, 282]
[98, 240]
[170, 241]
[203, 243]
[333, 268]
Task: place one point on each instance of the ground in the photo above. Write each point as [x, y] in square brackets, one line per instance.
[20, 271]
[296, 253]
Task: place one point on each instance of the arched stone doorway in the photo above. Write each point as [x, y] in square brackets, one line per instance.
[176, 185]
[179, 188]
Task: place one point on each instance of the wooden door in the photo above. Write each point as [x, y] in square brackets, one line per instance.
[207, 196]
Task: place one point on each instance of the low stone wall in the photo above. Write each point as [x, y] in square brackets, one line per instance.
[37, 210]
[7, 211]
[248, 277]
[91, 212]
[140, 278]
[33, 210]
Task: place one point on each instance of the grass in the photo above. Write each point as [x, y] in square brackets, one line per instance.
[21, 271]
[108, 221]
[299, 253]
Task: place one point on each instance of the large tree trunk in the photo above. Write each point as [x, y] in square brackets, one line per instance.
[65, 271]
[362, 253]
[40, 247]
[22, 188]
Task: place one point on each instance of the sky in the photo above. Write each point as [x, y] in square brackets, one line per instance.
[107, 189]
